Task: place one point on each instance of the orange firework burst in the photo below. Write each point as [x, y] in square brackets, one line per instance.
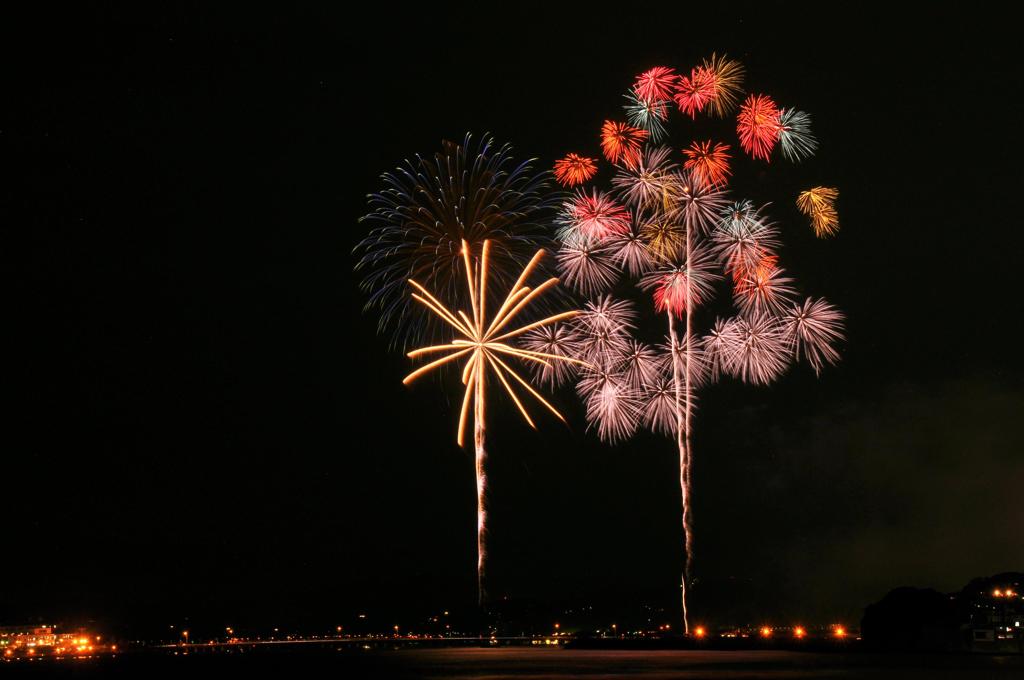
[758, 125]
[621, 142]
[655, 84]
[574, 169]
[483, 343]
[819, 204]
[728, 81]
[708, 164]
[695, 92]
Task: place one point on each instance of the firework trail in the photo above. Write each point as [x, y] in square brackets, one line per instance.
[482, 341]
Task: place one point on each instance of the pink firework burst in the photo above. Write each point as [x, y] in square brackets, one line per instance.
[612, 405]
[694, 203]
[631, 253]
[760, 354]
[695, 92]
[719, 347]
[812, 328]
[642, 182]
[764, 288]
[595, 216]
[586, 265]
[641, 365]
[758, 125]
[655, 83]
[743, 238]
[558, 340]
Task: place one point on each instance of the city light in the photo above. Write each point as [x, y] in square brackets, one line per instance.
[699, 631]
[799, 632]
[839, 631]
[766, 632]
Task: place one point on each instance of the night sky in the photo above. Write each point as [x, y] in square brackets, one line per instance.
[199, 420]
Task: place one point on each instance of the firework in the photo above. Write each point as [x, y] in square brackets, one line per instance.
[708, 164]
[719, 346]
[621, 142]
[728, 81]
[603, 327]
[811, 329]
[759, 354]
[466, 192]
[642, 183]
[612, 405]
[641, 365]
[482, 343]
[587, 265]
[664, 237]
[688, 354]
[695, 92]
[647, 114]
[574, 169]
[595, 216]
[743, 238]
[763, 288]
[655, 83]
[758, 126]
[819, 204]
[631, 253]
[558, 339]
[795, 137]
[678, 288]
[660, 410]
[696, 204]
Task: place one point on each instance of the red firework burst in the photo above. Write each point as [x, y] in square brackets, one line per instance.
[621, 142]
[758, 125]
[708, 164]
[672, 291]
[695, 92]
[574, 169]
[597, 216]
[655, 84]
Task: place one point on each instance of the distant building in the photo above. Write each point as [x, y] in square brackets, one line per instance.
[26, 641]
[996, 616]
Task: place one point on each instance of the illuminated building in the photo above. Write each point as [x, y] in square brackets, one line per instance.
[37, 641]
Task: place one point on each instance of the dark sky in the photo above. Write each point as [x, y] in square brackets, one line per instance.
[199, 420]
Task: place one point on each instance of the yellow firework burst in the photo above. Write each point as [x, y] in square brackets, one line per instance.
[483, 342]
[819, 204]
